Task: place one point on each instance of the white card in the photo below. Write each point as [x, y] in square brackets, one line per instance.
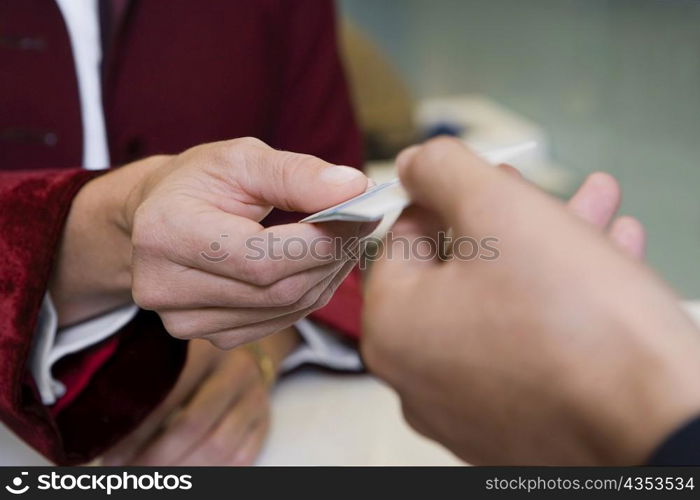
[380, 200]
[369, 206]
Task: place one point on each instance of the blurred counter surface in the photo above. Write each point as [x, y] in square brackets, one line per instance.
[322, 418]
[319, 418]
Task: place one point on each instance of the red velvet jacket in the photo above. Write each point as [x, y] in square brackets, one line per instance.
[178, 73]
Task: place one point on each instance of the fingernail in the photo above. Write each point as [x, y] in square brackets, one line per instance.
[371, 183]
[339, 174]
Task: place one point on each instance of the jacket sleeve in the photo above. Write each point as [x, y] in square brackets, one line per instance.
[33, 209]
[316, 117]
[680, 448]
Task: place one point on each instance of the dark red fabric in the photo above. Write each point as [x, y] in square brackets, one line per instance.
[33, 207]
[77, 374]
[123, 391]
[40, 124]
[178, 73]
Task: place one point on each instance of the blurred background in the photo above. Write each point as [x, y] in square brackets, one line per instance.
[591, 84]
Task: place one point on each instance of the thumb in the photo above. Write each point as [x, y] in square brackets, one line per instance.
[447, 178]
[297, 182]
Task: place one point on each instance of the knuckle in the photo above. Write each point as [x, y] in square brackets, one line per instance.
[192, 422]
[197, 149]
[324, 298]
[260, 274]
[150, 288]
[288, 291]
[178, 326]
[255, 332]
[287, 170]
[161, 158]
[225, 341]
[310, 300]
[157, 235]
[248, 141]
[243, 152]
[148, 221]
[299, 161]
[157, 159]
[296, 162]
[218, 448]
[148, 297]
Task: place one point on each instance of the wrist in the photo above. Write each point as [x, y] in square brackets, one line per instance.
[92, 272]
[142, 176]
[660, 394]
[669, 404]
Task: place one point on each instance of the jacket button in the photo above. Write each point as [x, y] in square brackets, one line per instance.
[30, 136]
[22, 42]
[50, 138]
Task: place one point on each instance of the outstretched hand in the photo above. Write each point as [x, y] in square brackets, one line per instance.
[565, 349]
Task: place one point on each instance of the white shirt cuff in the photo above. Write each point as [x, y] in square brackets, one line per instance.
[51, 344]
[324, 347]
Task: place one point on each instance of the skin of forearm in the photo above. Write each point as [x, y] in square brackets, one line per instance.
[92, 271]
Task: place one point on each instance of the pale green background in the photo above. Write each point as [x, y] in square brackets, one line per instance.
[615, 83]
